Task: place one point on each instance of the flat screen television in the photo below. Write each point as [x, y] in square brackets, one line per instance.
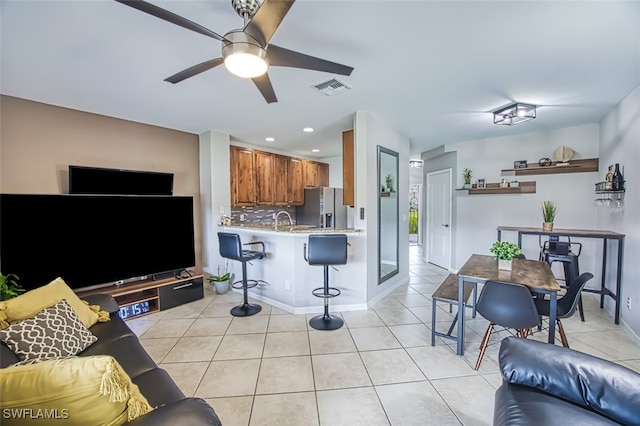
[97, 180]
[92, 241]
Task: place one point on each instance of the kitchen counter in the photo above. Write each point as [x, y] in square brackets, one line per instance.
[304, 229]
[290, 279]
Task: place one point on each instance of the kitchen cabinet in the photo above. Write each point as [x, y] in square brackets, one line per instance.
[267, 179]
[281, 194]
[348, 164]
[323, 174]
[296, 182]
[263, 163]
[243, 191]
[310, 173]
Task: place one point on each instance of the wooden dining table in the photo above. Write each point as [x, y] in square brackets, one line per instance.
[535, 275]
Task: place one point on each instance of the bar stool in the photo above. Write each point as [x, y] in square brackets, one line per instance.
[325, 250]
[554, 250]
[231, 248]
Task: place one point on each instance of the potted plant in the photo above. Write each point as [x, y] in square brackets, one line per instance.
[505, 251]
[9, 287]
[548, 215]
[221, 282]
[389, 182]
[466, 174]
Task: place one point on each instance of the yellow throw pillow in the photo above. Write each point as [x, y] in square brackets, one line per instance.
[92, 390]
[28, 304]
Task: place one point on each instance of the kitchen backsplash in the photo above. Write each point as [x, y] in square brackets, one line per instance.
[261, 214]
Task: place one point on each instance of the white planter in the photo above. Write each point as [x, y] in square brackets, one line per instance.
[504, 264]
[221, 286]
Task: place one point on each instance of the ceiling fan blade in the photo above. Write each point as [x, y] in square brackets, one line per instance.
[264, 86]
[267, 18]
[194, 70]
[279, 56]
[161, 13]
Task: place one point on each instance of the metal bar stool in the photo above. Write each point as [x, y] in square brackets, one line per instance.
[231, 248]
[554, 250]
[325, 250]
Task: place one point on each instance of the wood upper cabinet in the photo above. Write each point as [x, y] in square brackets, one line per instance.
[296, 181]
[263, 163]
[348, 164]
[280, 180]
[267, 179]
[310, 173]
[323, 174]
[243, 190]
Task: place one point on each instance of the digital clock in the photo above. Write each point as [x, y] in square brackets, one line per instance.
[134, 310]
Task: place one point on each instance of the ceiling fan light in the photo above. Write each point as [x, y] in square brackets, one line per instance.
[245, 60]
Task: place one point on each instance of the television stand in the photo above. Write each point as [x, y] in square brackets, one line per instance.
[160, 294]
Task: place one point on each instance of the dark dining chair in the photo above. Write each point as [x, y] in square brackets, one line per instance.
[567, 304]
[506, 305]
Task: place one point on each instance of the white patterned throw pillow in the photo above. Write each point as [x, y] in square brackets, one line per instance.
[54, 332]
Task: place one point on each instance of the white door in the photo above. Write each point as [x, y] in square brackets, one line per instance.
[439, 198]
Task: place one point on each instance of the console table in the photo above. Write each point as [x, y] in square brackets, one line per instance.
[582, 233]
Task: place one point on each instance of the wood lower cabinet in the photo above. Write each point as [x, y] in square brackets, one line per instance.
[243, 188]
[263, 163]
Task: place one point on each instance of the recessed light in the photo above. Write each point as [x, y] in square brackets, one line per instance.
[315, 150]
[270, 139]
[308, 129]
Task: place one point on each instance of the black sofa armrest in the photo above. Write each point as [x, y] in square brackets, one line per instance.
[602, 386]
[106, 302]
[184, 412]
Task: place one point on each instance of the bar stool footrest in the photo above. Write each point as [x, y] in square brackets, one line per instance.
[332, 292]
[240, 285]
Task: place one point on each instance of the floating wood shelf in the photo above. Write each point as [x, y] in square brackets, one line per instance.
[574, 166]
[494, 188]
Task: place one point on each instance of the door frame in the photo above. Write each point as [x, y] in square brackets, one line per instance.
[428, 231]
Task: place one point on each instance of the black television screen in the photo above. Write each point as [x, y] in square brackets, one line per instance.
[94, 240]
[96, 180]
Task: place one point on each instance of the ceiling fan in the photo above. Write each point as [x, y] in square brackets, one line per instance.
[246, 52]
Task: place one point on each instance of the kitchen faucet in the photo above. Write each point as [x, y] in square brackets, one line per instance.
[288, 215]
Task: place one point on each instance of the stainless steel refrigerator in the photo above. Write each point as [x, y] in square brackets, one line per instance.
[322, 208]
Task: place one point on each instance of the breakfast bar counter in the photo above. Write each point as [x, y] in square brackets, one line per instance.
[290, 280]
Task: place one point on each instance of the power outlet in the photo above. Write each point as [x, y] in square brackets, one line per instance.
[287, 286]
[629, 303]
[274, 216]
[243, 217]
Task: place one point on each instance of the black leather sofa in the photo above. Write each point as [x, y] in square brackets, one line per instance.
[115, 338]
[545, 384]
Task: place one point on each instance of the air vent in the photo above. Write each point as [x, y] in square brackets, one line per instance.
[332, 87]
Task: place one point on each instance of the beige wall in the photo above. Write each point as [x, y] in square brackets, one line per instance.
[38, 142]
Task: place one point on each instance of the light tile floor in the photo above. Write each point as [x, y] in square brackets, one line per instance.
[379, 369]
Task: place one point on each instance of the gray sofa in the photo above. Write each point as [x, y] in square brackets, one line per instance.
[545, 384]
[115, 338]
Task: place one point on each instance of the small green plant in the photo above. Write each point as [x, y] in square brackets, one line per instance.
[389, 182]
[548, 211]
[9, 287]
[505, 250]
[466, 174]
[224, 277]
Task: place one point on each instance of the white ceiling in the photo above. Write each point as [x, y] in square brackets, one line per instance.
[434, 70]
